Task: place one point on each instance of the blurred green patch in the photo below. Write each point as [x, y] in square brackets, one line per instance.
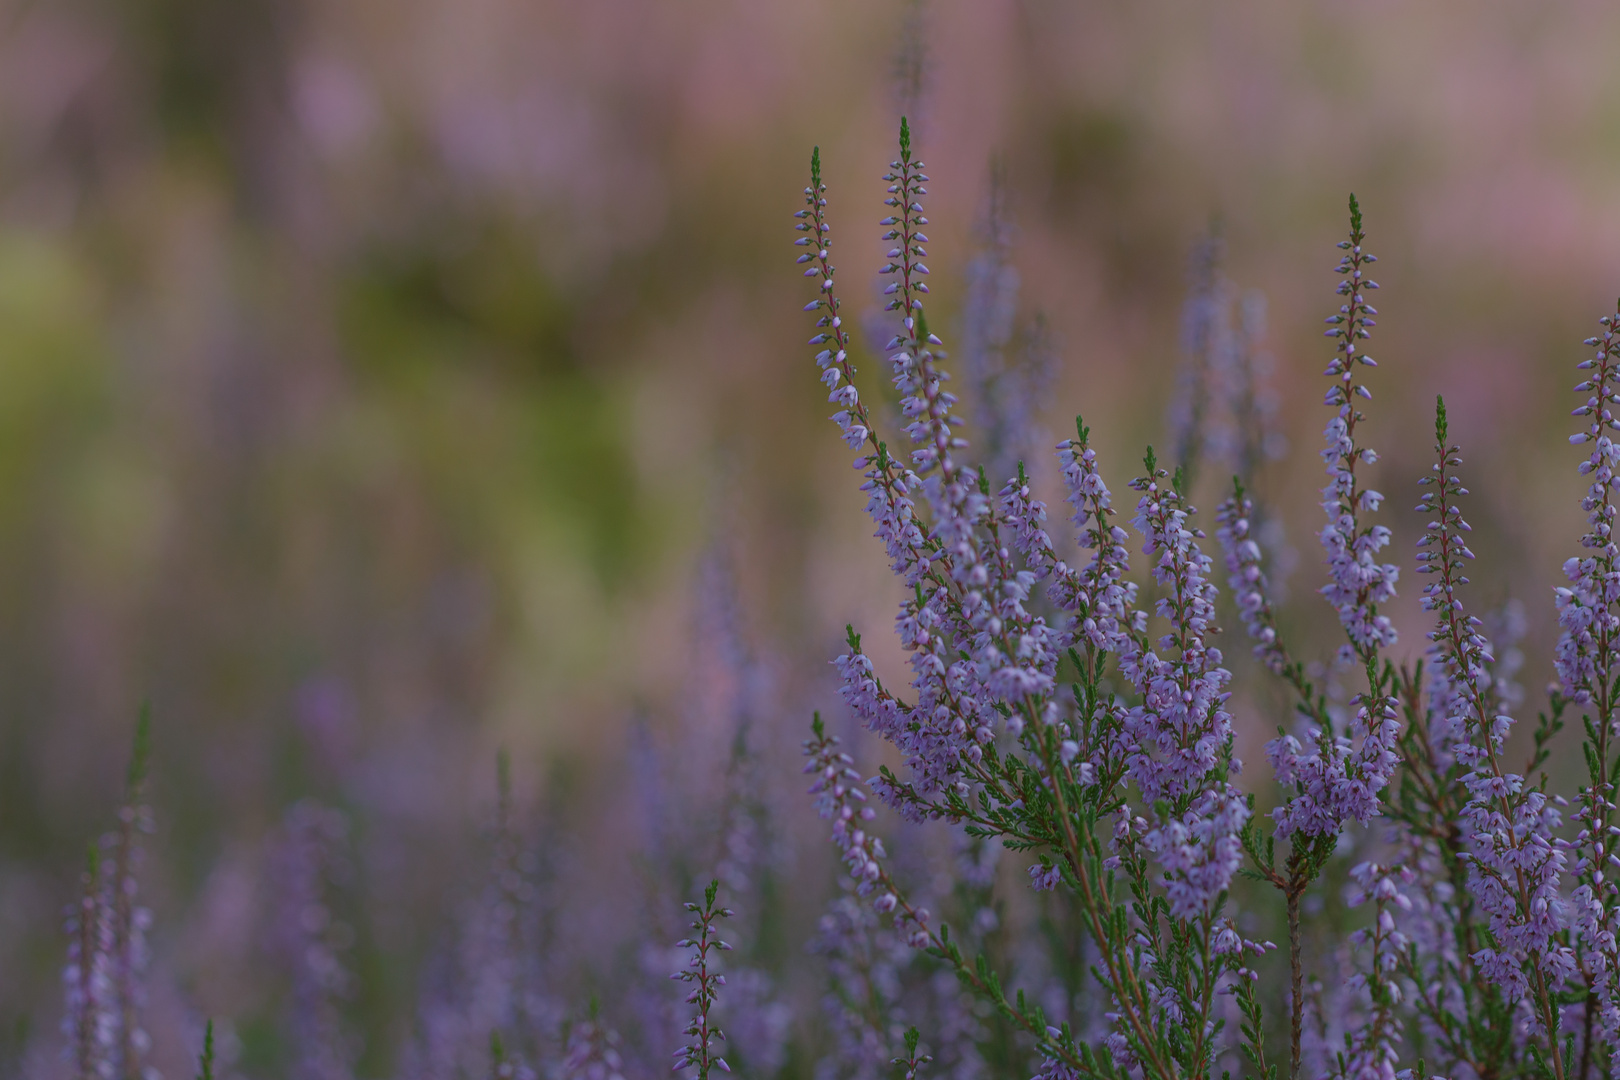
[473, 348]
[1090, 157]
[1102, 186]
[53, 374]
[52, 362]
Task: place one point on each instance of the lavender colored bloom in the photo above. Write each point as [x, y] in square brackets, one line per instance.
[1514, 857]
[1054, 1069]
[591, 1052]
[980, 659]
[701, 974]
[90, 1020]
[1005, 378]
[863, 966]
[1102, 600]
[1358, 583]
[1370, 1047]
[1585, 652]
[841, 798]
[1044, 877]
[1248, 581]
[984, 674]
[1252, 436]
[1585, 657]
[104, 979]
[1178, 735]
[1222, 408]
[1206, 343]
[1338, 777]
[1200, 852]
[757, 1024]
[311, 940]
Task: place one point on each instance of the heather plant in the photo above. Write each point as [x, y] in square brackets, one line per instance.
[701, 1053]
[990, 742]
[1479, 939]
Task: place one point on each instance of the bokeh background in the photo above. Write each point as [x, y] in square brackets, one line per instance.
[389, 381]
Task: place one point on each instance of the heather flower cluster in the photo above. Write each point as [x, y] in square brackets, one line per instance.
[1339, 775]
[1486, 937]
[988, 740]
[107, 953]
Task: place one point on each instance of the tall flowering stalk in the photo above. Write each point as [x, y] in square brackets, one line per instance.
[1513, 854]
[1206, 345]
[865, 969]
[312, 941]
[1369, 1052]
[1587, 652]
[1006, 369]
[89, 1021]
[1221, 410]
[705, 981]
[1337, 776]
[104, 978]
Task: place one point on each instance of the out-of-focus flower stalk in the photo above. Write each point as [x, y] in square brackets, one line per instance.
[104, 979]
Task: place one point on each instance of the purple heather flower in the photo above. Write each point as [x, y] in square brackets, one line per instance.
[1370, 1045]
[90, 1020]
[592, 1053]
[1586, 607]
[1200, 851]
[1358, 583]
[1222, 407]
[1251, 437]
[1102, 600]
[1514, 856]
[1054, 1069]
[991, 302]
[1338, 777]
[1044, 876]
[1248, 581]
[1006, 379]
[1206, 344]
[980, 659]
[701, 974]
[1179, 734]
[311, 940]
[757, 1024]
[1585, 658]
[104, 979]
[493, 986]
[863, 965]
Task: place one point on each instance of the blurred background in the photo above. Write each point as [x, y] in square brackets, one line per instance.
[382, 383]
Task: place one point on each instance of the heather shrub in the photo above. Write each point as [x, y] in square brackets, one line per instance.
[1077, 715]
